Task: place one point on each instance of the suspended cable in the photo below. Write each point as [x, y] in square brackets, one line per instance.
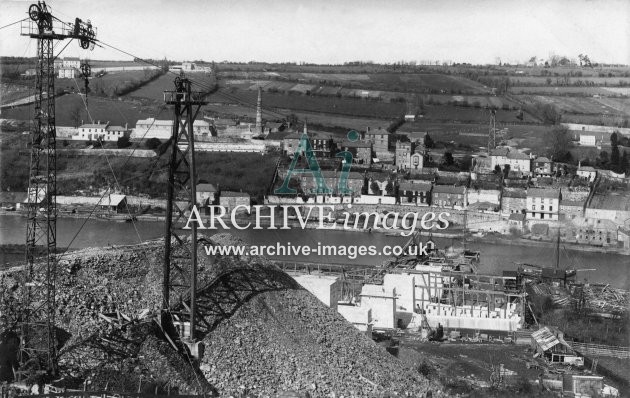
[13, 23]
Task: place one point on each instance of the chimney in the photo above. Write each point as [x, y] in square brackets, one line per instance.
[259, 111]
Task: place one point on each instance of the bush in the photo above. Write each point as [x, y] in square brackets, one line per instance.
[152, 143]
[123, 142]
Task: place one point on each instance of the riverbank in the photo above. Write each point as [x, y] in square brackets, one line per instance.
[491, 238]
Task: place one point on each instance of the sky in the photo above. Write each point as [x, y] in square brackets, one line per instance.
[327, 31]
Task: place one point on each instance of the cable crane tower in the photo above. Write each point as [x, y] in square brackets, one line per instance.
[38, 350]
[180, 258]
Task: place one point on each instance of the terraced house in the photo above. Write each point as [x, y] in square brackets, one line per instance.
[543, 204]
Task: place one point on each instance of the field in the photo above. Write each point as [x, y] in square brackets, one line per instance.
[584, 91]
[407, 82]
[116, 112]
[590, 80]
[341, 106]
[155, 89]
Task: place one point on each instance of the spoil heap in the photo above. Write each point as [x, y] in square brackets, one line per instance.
[263, 334]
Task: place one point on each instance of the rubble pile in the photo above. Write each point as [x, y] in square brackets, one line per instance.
[263, 334]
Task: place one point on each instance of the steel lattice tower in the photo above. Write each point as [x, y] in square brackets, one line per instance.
[180, 258]
[37, 328]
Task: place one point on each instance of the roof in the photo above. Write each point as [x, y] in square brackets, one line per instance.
[357, 144]
[587, 168]
[293, 136]
[411, 186]
[499, 152]
[353, 175]
[233, 194]
[94, 126]
[578, 203]
[611, 201]
[545, 339]
[448, 189]
[71, 59]
[206, 188]
[276, 135]
[109, 200]
[517, 217]
[116, 128]
[517, 155]
[543, 193]
[156, 122]
[379, 131]
[273, 125]
[13, 197]
[542, 159]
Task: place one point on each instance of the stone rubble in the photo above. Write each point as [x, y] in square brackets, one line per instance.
[273, 341]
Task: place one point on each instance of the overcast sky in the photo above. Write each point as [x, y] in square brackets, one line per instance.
[326, 31]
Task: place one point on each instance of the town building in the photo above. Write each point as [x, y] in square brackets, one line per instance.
[449, 196]
[418, 193]
[543, 204]
[354, 181]
[100, 131]
[518, 161]
[71, 62]
[417, 160]
[542, 167]
[517, 221]
[112, 203]
[588, 140]
[361, 151]
[206, 194]
[323, 146]
[163, 129]
[379, 139]
[588, 173]
[290, 143]
[13, 200]
[67, 73]
[595, 232]
[230, 200]
[403, 155]
[571, 209]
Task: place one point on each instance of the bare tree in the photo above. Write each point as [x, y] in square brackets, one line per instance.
[75, 116]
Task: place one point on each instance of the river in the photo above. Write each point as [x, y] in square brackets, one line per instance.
[495, 257]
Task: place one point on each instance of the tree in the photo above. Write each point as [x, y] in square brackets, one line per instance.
[428, 141]
[624, 163]
[497, 169]
[615, 159]
[123, 142]
[506, 170]
[558, 143]
[152, 143]
[375, 188]
[389, 188]
[448, 159]
[75, 116]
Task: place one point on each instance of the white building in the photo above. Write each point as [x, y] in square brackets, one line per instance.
[518, 161]
[102, 131]
[588, 140]
[587, 172]
[543, 204]
[67, 73]
[71, 62]
[163, 129]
